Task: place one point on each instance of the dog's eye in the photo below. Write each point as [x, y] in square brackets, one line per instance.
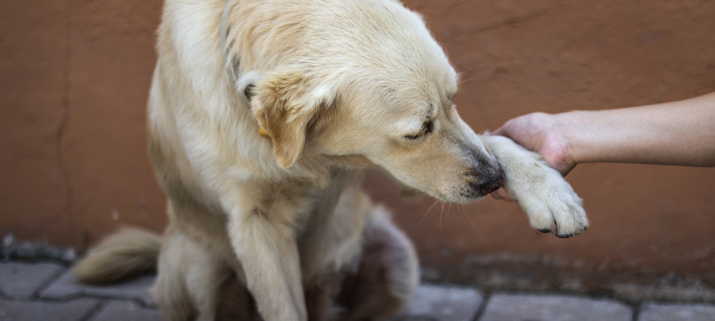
[427, 128]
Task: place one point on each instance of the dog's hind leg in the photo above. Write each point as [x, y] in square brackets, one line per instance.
[388, 273]
[169, 290]
[206, 275]
[189, 279]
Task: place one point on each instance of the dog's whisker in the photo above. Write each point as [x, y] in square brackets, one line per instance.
[464, 210]
[360, 170]
[464, 81]
[440, 217]
[423, 216]
[440, 222]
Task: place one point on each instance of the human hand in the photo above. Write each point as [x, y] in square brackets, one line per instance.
[544, 134]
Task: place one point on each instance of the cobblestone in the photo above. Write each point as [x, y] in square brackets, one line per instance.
[49, 292]
[125, 311]
[554, 308]
[67, 287]
[441, 303]
[670, 312]
[23, 280]
[74, 310]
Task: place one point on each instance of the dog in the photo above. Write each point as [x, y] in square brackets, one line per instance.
[262, 115]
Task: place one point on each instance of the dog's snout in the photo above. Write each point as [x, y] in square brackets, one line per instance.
[484, 180]
[493, 182]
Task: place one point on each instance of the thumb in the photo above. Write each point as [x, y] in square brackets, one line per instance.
[501, 131]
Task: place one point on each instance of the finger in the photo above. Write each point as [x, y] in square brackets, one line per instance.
[566, 170]
[563, 168]
[504, 129]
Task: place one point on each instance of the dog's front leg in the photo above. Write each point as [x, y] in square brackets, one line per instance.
[545, 196]
[265, 244]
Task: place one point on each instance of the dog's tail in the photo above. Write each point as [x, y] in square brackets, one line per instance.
[126, 253]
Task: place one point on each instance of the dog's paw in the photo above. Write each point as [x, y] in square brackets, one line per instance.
[549, 201]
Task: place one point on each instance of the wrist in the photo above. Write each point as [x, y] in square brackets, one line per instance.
[567, 129]
[583, 132]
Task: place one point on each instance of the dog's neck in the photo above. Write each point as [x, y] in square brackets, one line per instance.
[223, 33]
[231, 71]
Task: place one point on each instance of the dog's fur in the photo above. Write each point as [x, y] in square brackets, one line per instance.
[337, 85]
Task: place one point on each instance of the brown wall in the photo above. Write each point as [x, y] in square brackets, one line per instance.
[74, 77]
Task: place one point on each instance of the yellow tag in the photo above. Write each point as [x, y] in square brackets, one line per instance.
[263, 133]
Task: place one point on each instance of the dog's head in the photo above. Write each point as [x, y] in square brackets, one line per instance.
[382, 95]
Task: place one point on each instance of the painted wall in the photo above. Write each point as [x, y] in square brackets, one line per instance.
[74, 78]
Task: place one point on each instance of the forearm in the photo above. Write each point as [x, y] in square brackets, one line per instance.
[676, 133]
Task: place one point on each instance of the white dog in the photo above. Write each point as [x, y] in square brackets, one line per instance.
[261, 115]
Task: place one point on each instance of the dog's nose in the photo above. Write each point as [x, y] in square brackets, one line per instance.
[493, 182]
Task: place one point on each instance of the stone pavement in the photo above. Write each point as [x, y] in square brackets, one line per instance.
[47, 291]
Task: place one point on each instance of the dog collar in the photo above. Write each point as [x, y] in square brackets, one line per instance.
[223, 34]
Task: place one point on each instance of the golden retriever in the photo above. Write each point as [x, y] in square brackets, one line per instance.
[262, 114]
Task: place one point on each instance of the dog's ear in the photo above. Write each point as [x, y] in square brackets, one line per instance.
[285, 101]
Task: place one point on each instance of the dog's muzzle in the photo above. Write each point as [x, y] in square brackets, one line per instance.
[493, 182]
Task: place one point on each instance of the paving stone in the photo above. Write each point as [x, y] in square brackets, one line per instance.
[74, 310]
[125, 311]
[675, 312]
[503, 307]
[67, 287]
[439, 303]
[23, 280]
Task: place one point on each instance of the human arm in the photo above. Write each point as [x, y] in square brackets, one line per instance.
[673, 133]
